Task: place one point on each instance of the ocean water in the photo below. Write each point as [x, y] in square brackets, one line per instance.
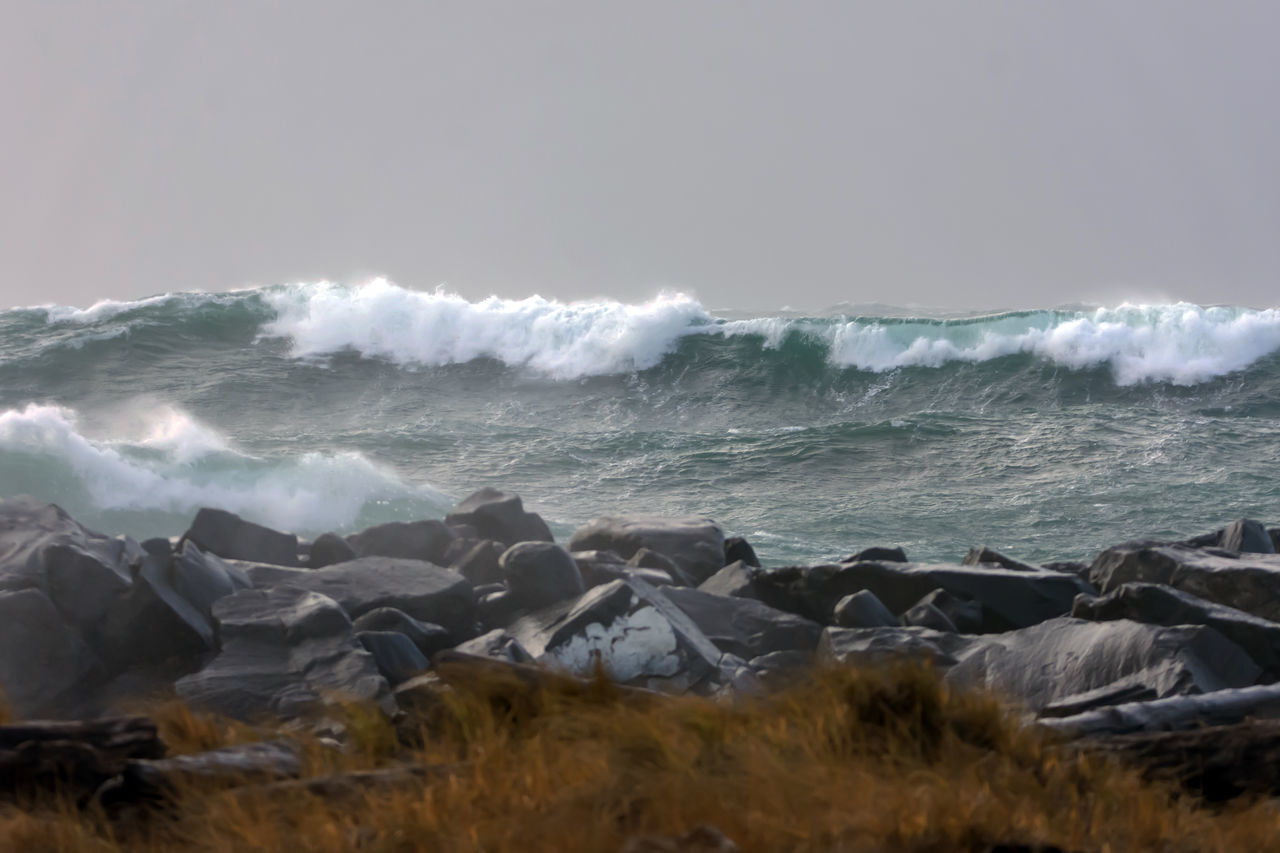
[313, 407]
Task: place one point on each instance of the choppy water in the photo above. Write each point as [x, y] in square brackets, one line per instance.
[315, 407]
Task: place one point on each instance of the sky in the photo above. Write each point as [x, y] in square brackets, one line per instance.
[754, 154]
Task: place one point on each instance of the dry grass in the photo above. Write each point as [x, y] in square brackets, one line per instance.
[850, 760]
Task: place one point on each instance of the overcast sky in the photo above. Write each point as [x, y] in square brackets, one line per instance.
[756, 154]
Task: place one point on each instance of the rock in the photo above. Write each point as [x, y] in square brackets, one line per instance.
[695, 544]
[497, 645]
[425, 591]
[1248, 582]
[742, 626]
[1154, 604]
[601, 567]
[428, 638]
[926, 615]
[285, 651]
[539, 574]
[635, 633]
[397, 658]
[44, 659]
[863, 610]
[405, 540]
[500, 516]
[228, 535]
[71, 759]
[157, 781]
[984, 556]
[328, 549]
[1175, 713]
[1247, 535]
[1274, 533]
[964, 614]
[736, 548]
[778, 588]
[777, 669]
[1071, 567]
[479, 564]
[876, 554]
[158, 546]
[879, 646]
[646, 558]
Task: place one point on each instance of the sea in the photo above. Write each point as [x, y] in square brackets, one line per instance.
[1045, 434]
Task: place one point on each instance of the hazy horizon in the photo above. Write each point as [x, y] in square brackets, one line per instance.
[756, 155]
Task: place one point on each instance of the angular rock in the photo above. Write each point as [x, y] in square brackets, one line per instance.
[428, 638]
[1155, 604]
[863, 610]
[964, 614]
[397, 658]
[539, 574]
[1175, 713]
[879, 554]
[742, 626]
[601, 567]
[230, 536]
[425, 591]
[1247, 535]
[498, 645]
[879, 646]
[406, 540]
[925, 615]
[500, 516]
[1248, 582]
[328, 549]
[984, 556]
[285, 652]
[781, 589]
[736, 548]
[43, 658]
[479, 563]
[635, 633]
[646, 558]
[695, 544]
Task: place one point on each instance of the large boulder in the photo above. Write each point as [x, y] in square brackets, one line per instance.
[408, 540]
[500, 516]
[630, 629]
[1155, 604]
[285, 652]
[1247, 535]
[879, 646]
[329, 548]
[428, 638]
[1245, 581]
[863, 610]
[538, 574]
[228, 535]
[43, 659]
[395, 655]
[742, 626]
[693, 543]
[601, 567]
[479, 562]
[423, 590]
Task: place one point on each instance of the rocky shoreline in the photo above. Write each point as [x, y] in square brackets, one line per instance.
[1156, 649]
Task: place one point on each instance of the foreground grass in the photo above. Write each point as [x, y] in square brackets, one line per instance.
[849, 760]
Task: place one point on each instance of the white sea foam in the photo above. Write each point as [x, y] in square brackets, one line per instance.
[562, 340]
[177, 465]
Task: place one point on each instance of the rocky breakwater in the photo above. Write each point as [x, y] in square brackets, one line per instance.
[1150, 640]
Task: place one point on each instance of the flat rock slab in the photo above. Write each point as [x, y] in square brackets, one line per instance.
[1245, 581]
[694, 543]
[422, 590]
[743, 626]
[1222, 707]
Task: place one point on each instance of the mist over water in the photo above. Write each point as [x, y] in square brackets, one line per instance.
[323, 407]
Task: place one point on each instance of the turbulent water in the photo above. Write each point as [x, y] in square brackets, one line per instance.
[322, 407]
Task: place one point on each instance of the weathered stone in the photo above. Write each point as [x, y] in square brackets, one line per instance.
[647, 558]
[635, 633]
[863, 610]
[984, 556]
[736, 548]
[743, 626]
[1155, 604]
[425, 591]
[328, 549]
[878, 646]
[964, 614]
[879, 554]
[397, 658]
[43, 657]
[1247, 535]
[693, 543]
[1248, 582]
[925, 615]
[778, 588]
[428, 638]
[1175, 713]
[230, 536]
[601, 567]
[406, 540]
[285, 651]
[539, 574]
[479, 563]
[496, 644]
[500, 516]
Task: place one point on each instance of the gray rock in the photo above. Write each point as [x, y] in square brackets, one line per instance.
[397, 658]
[500, 516]
[328, 549]
[742, 626]
[1161, 605]
[879, 646]
[601, 567]
[479, 563]
[425, 591]
[736, 548]
[1274, 533]
[781, 589]
[1175, 713]
[925, 615]
[964, 614]
[226, 534]
[646, 558]
[1247, 535]
[496, 644]
[406, 540]
[1248, 582]
[428, 638]
[631, 628]
[879, 554]
[863, 610]
[285, 652]
[44, 659]
[984, 556]
[695, 544]
[539, 574]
